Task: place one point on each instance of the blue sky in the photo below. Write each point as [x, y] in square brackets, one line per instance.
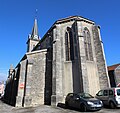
[17, 18]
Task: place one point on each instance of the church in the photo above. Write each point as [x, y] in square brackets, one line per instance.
[68, 58]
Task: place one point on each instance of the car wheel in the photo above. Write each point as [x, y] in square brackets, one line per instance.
[112, 105]
[83, 108]
[66, 104]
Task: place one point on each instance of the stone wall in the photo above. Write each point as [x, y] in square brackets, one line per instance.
[56, 70]
[88, 68]
[100, 59]
[31, 44]
[21, 84]
[64, 72]
[81, 74]
[35, 80]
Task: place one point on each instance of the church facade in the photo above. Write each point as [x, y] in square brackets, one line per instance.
[68, 58]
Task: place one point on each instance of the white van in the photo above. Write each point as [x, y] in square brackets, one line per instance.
[110, 97]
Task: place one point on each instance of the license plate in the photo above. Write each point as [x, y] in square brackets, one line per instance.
[98, 105]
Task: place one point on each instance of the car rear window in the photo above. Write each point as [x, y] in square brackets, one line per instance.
[118, 92]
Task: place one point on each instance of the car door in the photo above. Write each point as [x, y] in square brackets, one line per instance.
[105, 97]
[76, 101]
[99, 95]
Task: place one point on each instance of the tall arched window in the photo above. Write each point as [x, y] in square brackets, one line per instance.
[69, 44]
[87, 44]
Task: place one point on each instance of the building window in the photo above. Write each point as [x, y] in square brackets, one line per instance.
[69, 44]
[33, 46]
[87, 44]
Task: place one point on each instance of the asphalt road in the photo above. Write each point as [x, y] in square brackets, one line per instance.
[4, 108]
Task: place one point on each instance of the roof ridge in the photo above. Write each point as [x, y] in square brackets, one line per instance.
[74, 17]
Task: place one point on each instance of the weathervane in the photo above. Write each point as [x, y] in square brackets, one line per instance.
[36, 13]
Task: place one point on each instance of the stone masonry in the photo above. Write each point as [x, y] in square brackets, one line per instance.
[69, 58]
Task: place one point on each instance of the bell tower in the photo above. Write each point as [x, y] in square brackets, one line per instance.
[33, 38]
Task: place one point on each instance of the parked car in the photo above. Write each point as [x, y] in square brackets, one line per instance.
[110, 97]
[83, 101]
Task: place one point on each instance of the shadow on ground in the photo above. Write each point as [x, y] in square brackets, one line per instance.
[62, 105]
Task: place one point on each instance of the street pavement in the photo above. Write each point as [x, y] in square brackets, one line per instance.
[4, 108]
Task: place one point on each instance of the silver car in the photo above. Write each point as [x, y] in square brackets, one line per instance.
[83, 101]
[110, 97]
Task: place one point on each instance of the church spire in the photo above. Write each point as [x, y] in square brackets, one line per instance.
[33, 39]
[34, 34]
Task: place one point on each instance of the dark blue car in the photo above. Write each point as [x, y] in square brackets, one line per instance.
[83, 101]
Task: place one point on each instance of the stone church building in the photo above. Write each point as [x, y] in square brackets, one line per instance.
[68, 58]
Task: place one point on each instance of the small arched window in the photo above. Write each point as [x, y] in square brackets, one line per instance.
[87, 44]
[69, 44]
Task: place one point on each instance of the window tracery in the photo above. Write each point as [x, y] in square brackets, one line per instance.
[88, 45]
[69, 44]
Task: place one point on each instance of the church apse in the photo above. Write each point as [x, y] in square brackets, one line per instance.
[68, 58]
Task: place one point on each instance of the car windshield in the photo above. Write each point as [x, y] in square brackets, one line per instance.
[85, 95]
